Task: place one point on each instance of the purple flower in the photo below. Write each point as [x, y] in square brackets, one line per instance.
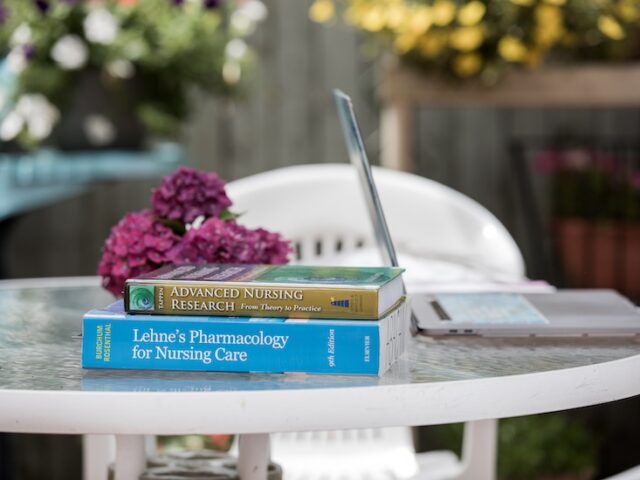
[42, 5]
[548, 162]
[29, 51]
[188, 194]
[270, 247]
[210, 4]
[177, 3]
[576, 159]
[218, 241]
[136, 245]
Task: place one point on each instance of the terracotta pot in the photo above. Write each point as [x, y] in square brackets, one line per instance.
[596, 254]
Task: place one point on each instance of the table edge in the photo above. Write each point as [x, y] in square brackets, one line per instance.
[175, 413]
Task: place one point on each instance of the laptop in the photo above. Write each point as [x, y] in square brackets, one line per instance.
[570, 313]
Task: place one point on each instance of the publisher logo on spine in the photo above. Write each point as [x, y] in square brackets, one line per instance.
[141, 298]
[339, 303]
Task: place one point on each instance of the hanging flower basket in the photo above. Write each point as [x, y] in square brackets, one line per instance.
[104, 69]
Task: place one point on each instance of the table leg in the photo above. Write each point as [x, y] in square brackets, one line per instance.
[97, 453]
[253, 456]
[130, 456]
[479, 450]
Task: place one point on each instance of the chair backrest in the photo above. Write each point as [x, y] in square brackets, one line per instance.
[321, 208]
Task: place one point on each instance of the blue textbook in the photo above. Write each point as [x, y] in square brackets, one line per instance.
[114, 339]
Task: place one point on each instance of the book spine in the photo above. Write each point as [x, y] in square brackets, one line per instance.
[256, 301]
[350, 348]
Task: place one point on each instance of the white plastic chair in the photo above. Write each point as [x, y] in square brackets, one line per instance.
[321, 209]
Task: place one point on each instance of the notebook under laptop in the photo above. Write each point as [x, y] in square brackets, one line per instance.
[499, 314]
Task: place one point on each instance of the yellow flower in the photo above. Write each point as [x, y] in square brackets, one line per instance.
[558, 3]
[405, 42]
[353, 14]
[547, 37]
[444, 12]
[467, 64]
[610, 27]
[431, 45]
[322, 11]
[523, 3]
[548, 16]
[629, 10]
[420, 20]
[512, 49]
[373, 19]
[396, 14]
[466, 39]
[471, 13]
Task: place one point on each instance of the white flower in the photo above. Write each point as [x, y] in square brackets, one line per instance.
[236, 49]
[11, 126]
[231, 72]
[121, 69]
[70, 52]
[33, 111]
[39, 127]
[99, 130]
[16, 60]
[100, 27]
[241, 23]
[255, 10]
[244, 19]
[38, 114]
[21, 35]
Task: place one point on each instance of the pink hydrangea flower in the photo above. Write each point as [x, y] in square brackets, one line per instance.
[548, 162]
[136, 245]
[189, 193]
[143, 241]
[218, 241]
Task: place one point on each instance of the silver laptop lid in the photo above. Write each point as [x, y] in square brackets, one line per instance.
[359, 159]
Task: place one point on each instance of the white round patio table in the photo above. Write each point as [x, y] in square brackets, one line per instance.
[43, 389]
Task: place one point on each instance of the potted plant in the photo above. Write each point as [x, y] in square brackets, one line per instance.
[481, 38]
[595, 211]
[101, 73]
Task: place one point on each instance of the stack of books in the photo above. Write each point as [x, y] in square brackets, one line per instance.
[253, 318]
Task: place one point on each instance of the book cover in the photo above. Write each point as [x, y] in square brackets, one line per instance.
[114, 339]
[365, 293]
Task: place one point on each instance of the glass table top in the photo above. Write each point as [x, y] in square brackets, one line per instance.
[40, 347]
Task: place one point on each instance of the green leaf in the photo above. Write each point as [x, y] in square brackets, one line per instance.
[229, 215]
[177, 227]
